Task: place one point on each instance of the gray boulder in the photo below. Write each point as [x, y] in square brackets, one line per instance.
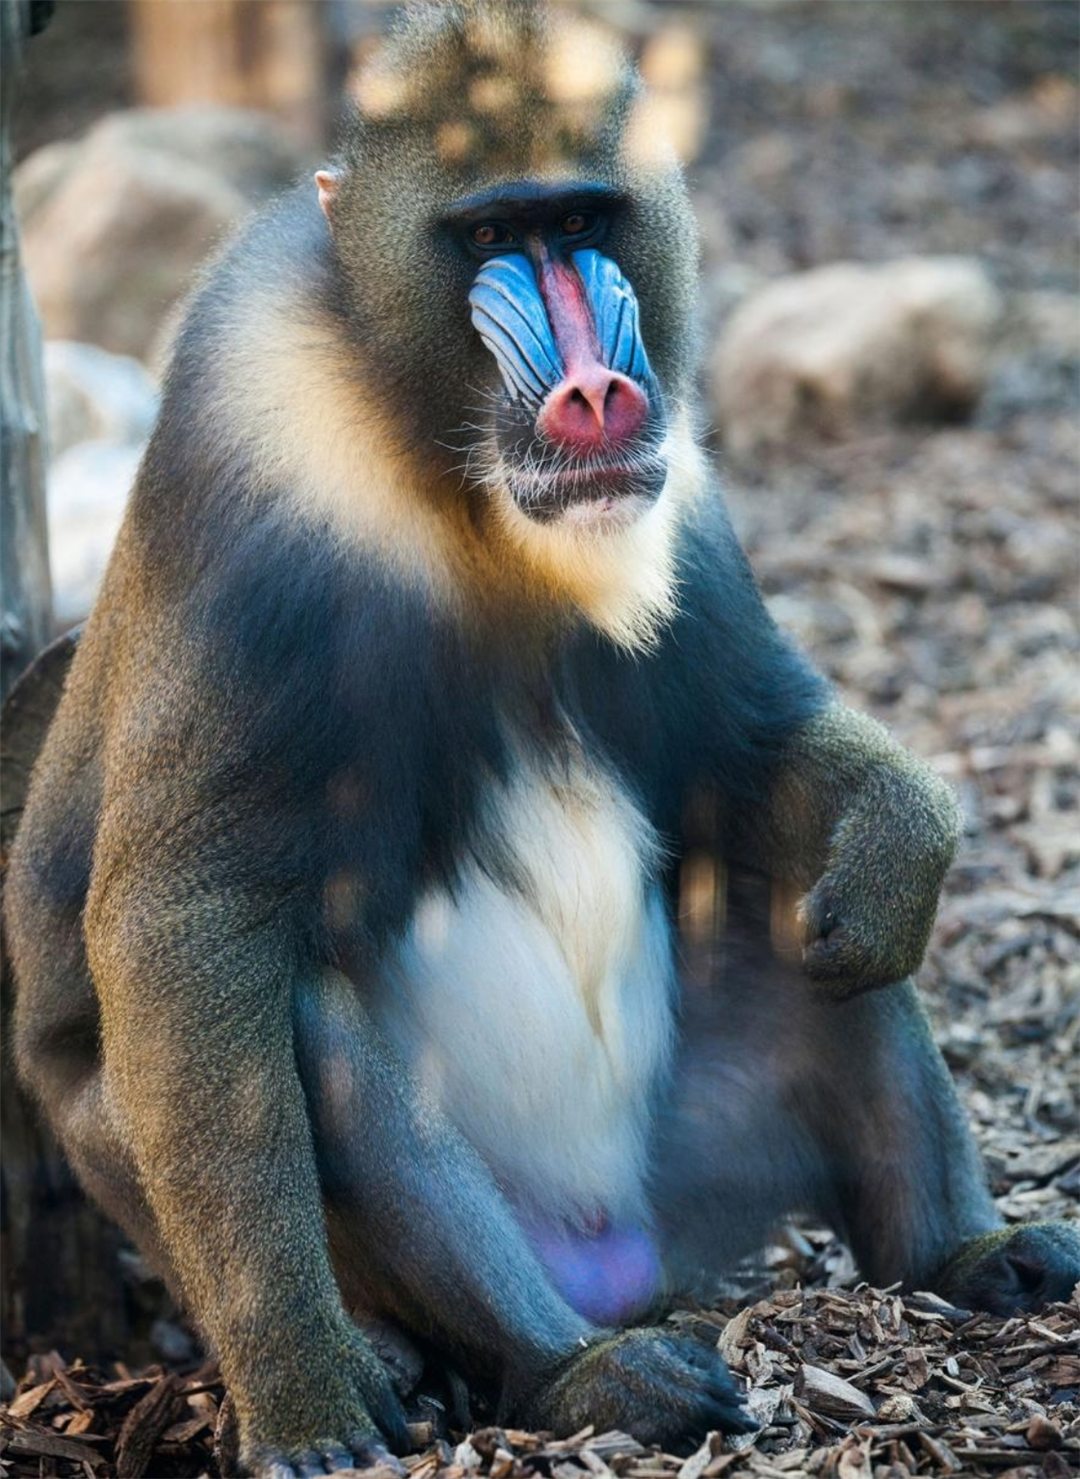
[94, 395]
[848, 349]
[115, 225]
[88, 488]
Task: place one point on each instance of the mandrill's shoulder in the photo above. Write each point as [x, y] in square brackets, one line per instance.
[282, 249]
[267, 439]
[278, 264]
[238, 325]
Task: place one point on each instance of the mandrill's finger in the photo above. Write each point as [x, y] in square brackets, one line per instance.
[838, 955]
[716, 1401]
[724, 1406]
[829, 961]
[732, 1417]
[393, 1429]
[371, 1454]
[338, 1459]
[842, 968]
[309, 1466]
[820, 912]
[729, 1402]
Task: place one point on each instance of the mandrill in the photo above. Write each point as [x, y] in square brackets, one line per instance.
[358, 968]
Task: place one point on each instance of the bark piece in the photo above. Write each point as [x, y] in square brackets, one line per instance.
[829, 1394]
[144, 1425]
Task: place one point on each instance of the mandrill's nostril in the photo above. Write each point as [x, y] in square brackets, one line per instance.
[593, 407]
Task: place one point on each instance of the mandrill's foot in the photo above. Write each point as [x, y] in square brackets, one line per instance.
[342, 1420]
[656, 1385]
[1014, 1268]
[328, 1458]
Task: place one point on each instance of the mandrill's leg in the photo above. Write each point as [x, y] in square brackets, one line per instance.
[789, 1101]
[101, 1159]
[57, 1048]
[907, 1182]
[72, 1083]
[419, 1228]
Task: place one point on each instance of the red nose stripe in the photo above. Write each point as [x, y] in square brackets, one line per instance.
[568, 313]
[592, 406]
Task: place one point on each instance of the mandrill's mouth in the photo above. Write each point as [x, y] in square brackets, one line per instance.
[597, 492]
[605, 487]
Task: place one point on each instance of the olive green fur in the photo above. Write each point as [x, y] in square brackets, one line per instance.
[870, 831]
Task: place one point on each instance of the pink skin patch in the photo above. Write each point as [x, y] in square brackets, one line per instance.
[608, 1275]
[592, 407]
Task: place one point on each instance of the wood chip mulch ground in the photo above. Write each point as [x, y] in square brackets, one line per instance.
[863, 1384]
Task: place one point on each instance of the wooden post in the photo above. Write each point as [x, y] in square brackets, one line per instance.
[26, 618]
[269, 54]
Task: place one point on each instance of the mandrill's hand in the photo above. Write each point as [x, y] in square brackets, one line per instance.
[322, 1427]
[867, 920]
[655, 1384]
[880, 828]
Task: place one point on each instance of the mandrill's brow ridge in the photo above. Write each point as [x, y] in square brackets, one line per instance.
[533, 198]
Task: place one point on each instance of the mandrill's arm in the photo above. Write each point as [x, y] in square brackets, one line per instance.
[854, 831]
[864, 832]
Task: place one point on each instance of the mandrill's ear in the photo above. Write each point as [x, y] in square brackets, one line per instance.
[327, 182]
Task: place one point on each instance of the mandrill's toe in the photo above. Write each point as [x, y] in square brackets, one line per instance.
[1015, 1268]
[331, 1458]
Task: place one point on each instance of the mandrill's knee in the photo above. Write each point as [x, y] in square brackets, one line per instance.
[40, 1059]
[55, 1051]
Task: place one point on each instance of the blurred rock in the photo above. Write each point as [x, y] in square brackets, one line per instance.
[250, 150]
[1052, 323]
[87, 491]
[673, 63]
[115, 245]
[94, 395]
[116, 224]
[101, 409]
[39, 174]
[172, 1342]
[1047, 110]
[848, 349]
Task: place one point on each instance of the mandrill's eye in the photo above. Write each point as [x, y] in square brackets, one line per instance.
[492, 234]
[578, 223]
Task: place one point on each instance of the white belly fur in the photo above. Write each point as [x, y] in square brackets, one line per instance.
[541, 1018]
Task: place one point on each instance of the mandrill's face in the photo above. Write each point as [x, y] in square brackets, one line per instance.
[521, 257]
[577, 423]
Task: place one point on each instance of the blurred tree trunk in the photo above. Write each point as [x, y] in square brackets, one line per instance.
[24, 551]
[60, 1281]
[269, 54]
